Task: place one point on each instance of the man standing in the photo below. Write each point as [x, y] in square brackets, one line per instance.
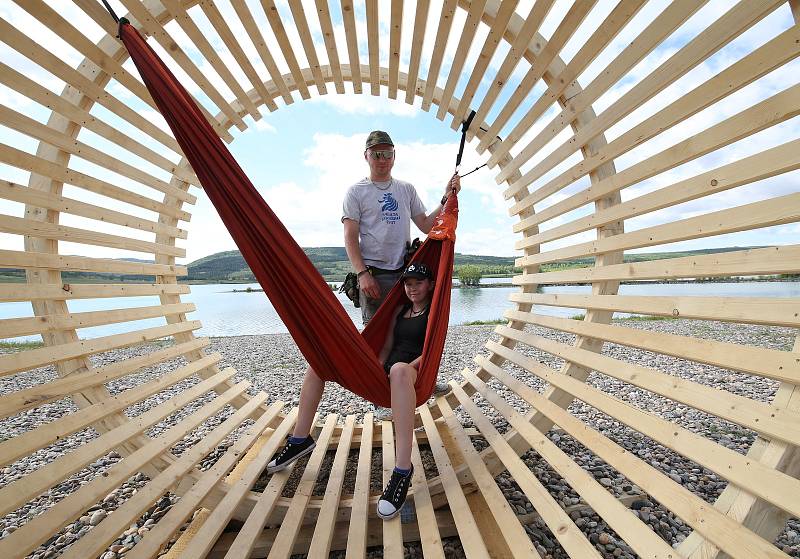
[377, 214]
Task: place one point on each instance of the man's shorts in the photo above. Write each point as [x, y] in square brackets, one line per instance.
[370, 306]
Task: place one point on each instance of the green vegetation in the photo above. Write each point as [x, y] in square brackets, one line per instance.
[482, 322]
[20, 346]
[469, 275]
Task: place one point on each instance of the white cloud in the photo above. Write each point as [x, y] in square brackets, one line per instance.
[264, 126]
[367, 105]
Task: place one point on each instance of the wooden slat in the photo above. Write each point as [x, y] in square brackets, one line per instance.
[465, 38]
[769, 112]
[23, 292]
[752, 310]
[774, 211]
[605, 32]
[349, 19]
[21, 361]
[751, 262]
[22, 400]
[190, 501]
[778, 51]
[36, 228]
[53, 64]
[723, 531]
[556, 518]
[230, 40]
[770, 363]
[34, 483]
[148, 23]
[429, 535]
[326, 26]
[301, 24]
[512, 531]
[392, 529]
[468, 531]
[417, 42]
[24, 195]
[357, 531]
[395, 35]
[578, 11]
[38, 529]
[40, 166]
[36, 92]
[769, 163]
[435, 64]
[323, 531]
[113, 525]
[767, 483]
[373, 46]
[34, 129]
[44, 261]
[274, 19]
[248, 21]
[223, 512]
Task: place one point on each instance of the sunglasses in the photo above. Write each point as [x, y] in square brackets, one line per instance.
[381, 154]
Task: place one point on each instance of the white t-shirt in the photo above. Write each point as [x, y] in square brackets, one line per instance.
[383, 211]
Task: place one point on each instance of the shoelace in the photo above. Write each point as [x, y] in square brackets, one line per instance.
[396, 483]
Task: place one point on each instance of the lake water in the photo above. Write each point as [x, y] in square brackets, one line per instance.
[224, 313]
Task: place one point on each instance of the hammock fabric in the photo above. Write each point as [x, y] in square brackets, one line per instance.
[311, 312]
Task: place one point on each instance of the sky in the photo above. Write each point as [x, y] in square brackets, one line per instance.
[304, 156]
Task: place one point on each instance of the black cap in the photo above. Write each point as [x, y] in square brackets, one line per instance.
[378, 137]
[417, 270]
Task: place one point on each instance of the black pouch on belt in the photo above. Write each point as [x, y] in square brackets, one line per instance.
[350, 288]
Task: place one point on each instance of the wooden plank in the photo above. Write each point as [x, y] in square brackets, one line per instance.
[429, 535]
[323, 531]
[61, 173]
[519, 45]
[32, 358]
[274, 19]
[41, 260]
[301, 24]
[770, 363]
[465, 39]
[439, 45]
[17, 493]
[149, 23]
[373, 47]
[349, 19]
[723, 531]
[25, 195]
[25, 292]
[396, 24]
[38, 529]
[326, 25]
[751, 310]
[554, 516]
[769, 163]
[30, 127]
[40, 394]
[26, 46]
[468, 531]
[630, 528]
[417, 43]
[248, 21]
[773, 110]
[773, 54]
[35, 228]
[230, 40]
[767, 483]
[392, 529]
[513, 533]
[766, 213]
[357, 531]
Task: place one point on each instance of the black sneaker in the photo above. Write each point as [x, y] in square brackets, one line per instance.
[289, 454]
[394, 495]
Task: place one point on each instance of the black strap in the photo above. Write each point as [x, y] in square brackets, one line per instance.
[464, 128]
[110, 11]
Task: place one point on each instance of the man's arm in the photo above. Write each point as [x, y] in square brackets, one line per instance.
[425, 222]
[366, 283]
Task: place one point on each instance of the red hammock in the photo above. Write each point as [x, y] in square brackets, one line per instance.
[311, 312]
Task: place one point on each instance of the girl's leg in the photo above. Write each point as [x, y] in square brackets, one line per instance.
[310, 395]
[402, 377]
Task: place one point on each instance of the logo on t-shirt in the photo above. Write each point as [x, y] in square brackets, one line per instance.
[389, 208]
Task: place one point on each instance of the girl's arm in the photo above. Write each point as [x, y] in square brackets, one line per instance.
[387, 345]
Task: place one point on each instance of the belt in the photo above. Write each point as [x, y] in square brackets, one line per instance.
[381, 272]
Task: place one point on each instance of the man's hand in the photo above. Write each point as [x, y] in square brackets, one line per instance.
[369, 286]
[453, 185]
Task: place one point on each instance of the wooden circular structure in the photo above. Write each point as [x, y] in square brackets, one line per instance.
[551, 148]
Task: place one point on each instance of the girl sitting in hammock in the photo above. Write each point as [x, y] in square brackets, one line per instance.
[400, 357]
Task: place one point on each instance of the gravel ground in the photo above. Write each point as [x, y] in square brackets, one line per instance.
[272, 363]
